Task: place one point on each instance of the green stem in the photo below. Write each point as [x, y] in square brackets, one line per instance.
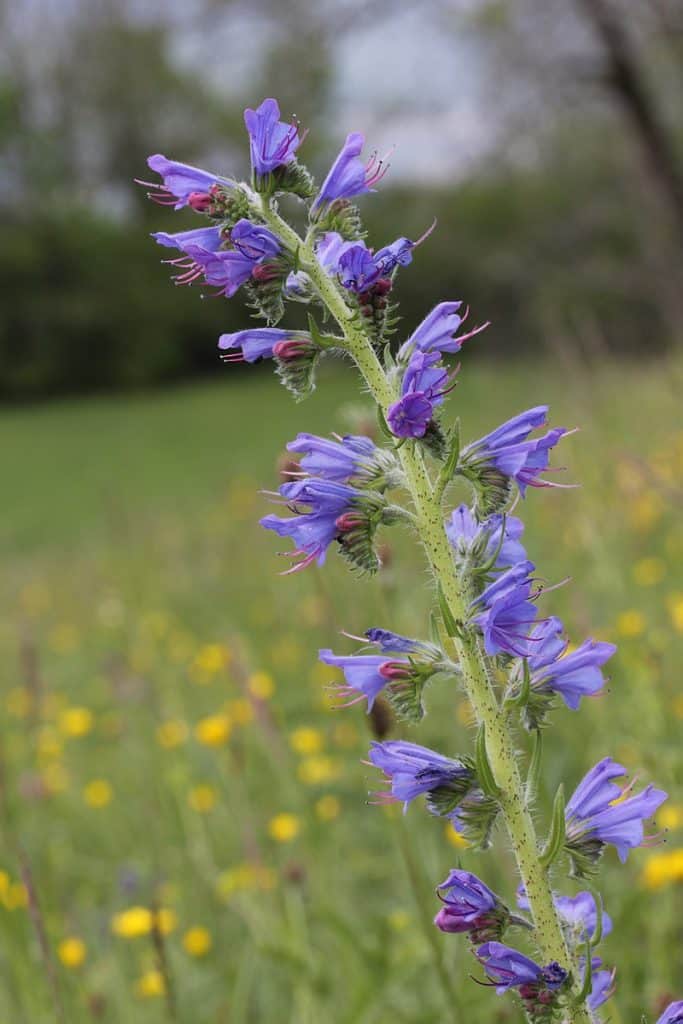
[430, 526]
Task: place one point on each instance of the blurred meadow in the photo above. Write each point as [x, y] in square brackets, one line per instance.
[185, 829]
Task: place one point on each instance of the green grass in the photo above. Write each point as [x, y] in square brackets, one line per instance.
[131, 549]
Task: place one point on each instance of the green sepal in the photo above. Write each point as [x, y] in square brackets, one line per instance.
[451, 464]
[558, 829]
[483, 766]
[519, 700]
[383, 425]
[434, 440]
[599, 914]
[295, 178]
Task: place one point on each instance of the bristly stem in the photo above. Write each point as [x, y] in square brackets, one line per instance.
[466, 648]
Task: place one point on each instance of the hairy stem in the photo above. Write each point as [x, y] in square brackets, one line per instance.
[430, 527]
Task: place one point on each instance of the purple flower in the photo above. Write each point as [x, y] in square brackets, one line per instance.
[226, 269]
[394, 642]
[183, 185]
[507, 968]
[481, 540]
[206, 238]
[509, 450]
[579, 912]
[437, 331]
[330, 505]
[272, 142]
[357, 268]
[253, 240]
[256, 343]
[366, 674]
[425, 382]
[329, 250]
[507, 611]
[341, 459]
[349, 176]
[573, 675]
[673, 1014]
[397, 254]
[601, 812]
[602, 985]
[413, 770]
[470, 906]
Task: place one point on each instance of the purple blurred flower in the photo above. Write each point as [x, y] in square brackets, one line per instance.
[394, 642]
[272, 142]
[425, 383]
[579, 912]
[481, 540]
[673, 1014]
[507, 968]
[183, 185]
[437, 331]
[313, 531]
[602, 984]
[470, 906]
[573, 675]
[601, 812]
[507, 611]
[509, 450]
[413, 770]
[349, 176]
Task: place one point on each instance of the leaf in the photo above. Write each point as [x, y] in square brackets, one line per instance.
[483, 766]
[557, 835]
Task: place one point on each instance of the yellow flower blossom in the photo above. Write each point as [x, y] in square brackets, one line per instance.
[314, 771]
[454, 837]
[172, 733]
[306, 740]
[283, 828]
[261, 685]
[630, 623]
[663, 869]
[214, 730]
[151, 984]
[327, 808]
[675, 604]
[244, 877]
[202, 798]
[72, 952]
[98, 793]
[138, 921]
[670, 816]
[75, 722]
[649, 571]
[16, 896]
[209, 661]
[197, 941]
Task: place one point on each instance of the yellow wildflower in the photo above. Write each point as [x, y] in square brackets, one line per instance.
[98, 793]
[630, 623]
[261, 685]
[454, 837]
[314, 771]
[663, 869]
[202, 798]
[75, 722]
[209, 661]
[197, 941]
[283, 828]
[214, 730]
[306, 740]
[675, 603]
[670, 816]
[649, 571]
[151, 984]
[172, 733]
[327, 808]
[16, 896]
[71, 952]
[138, 921]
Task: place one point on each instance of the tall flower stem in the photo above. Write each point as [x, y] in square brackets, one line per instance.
[476, 679]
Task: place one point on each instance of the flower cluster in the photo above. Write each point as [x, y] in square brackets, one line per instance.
[487, 631]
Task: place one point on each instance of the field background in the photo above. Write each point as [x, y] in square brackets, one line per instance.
[169, 743]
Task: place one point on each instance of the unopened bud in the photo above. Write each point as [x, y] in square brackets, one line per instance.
[349, 521]
[291, 348]
[201, 202]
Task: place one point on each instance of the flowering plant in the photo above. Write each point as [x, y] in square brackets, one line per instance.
[489, 635]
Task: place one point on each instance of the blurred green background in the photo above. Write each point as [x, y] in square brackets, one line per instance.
[185, 835]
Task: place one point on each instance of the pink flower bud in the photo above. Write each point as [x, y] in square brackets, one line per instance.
[199, 201]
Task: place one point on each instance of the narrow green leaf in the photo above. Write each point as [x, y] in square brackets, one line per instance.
[383, 425]
[484, 773]
[449, 622]
[587, 986]
[557, 831]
